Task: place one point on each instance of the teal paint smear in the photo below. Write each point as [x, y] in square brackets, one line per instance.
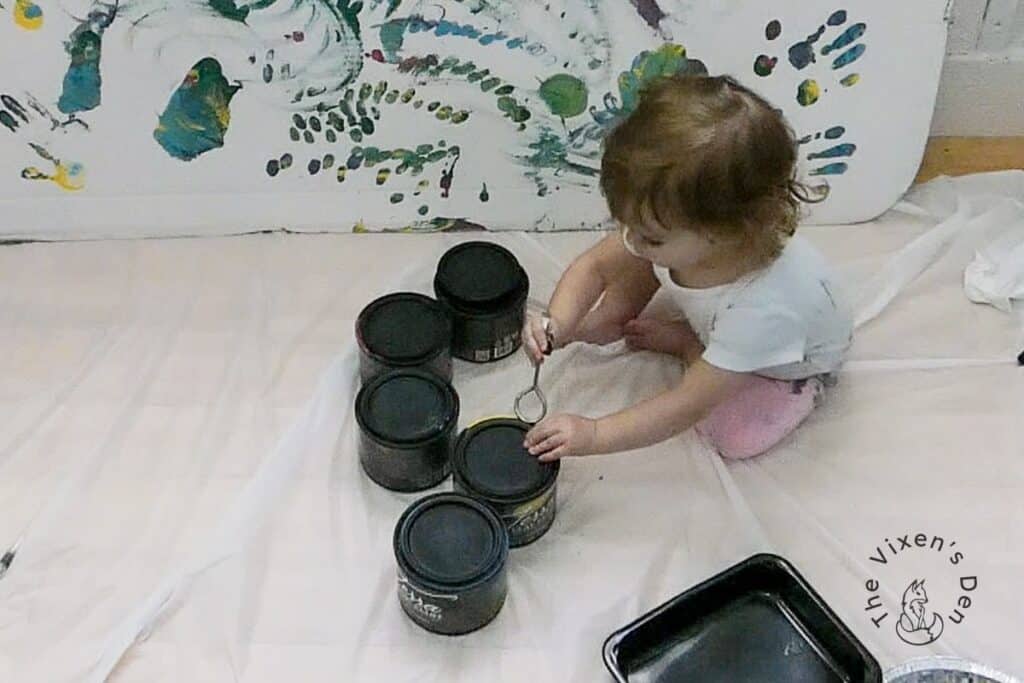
[831, 169]
[198, 113]
[392, 35]
[849, 57]
[229, 10]
[835, 132]
[846, 38]
[350, 14]
[843, 150]
[81, 89]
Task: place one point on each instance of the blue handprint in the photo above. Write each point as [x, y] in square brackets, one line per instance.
[843, 50]
[832, 155]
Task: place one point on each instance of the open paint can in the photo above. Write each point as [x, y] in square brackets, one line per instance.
[485, 290]
[404, 331]
[451, 552]
[490, 463]
[407, 421]
[946, 670]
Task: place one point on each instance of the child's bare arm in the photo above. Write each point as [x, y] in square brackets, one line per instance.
[702, 388]
[627, 283]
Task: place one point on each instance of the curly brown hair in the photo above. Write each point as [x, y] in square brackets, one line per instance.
[709, 154]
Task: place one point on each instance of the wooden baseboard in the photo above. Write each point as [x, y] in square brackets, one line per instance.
[962, 155]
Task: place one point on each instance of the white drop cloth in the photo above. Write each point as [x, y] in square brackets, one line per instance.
[177, 458]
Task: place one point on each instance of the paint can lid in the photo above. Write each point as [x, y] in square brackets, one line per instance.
[451, 540]
[406, 407]
[490, 460]
[480, 275]
[404, 329]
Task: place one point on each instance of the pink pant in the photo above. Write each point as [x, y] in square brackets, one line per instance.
[764, 413]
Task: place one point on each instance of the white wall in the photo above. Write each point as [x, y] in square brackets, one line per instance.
[982, 90]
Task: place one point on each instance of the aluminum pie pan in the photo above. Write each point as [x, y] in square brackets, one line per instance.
[946, 670]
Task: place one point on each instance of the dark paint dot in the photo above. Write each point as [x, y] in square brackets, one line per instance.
[314, 166]
[838, 18]
[764, 65]
[433, 106]
[423, 210]
[308, 137]
[299, 122]
[773, 30]
[396, 198]
[366, 125]
[328, 161]
[293, 132]
[331, 136]
[314, 123]
[268, 73]
[273, 167]
[286, 161]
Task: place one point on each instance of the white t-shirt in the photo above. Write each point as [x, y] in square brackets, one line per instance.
[788, 321]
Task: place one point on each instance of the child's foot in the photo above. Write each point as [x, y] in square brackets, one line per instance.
[672, 337]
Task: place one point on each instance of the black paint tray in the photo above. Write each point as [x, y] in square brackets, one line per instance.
[757, 622]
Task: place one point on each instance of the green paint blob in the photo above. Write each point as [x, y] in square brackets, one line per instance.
[397, 198]
[489, 84]
[460, 116]
[808, 92]
[423, 210]
[565, 95]
[505, 90]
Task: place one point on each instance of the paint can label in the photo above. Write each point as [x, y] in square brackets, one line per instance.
[529, 521]
[421, 604]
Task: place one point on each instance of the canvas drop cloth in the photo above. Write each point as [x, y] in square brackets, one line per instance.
[178, 466]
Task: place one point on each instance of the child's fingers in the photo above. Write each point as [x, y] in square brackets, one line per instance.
[548, 444]
[538, 434]
[554, 455]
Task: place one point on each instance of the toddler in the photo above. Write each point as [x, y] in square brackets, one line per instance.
[701, 180]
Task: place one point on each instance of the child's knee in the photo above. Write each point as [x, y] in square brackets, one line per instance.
[736, 444]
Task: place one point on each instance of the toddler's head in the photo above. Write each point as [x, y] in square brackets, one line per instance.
[703, 164]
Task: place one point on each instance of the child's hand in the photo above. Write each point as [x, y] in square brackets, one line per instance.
[561, 436]
[537, 339]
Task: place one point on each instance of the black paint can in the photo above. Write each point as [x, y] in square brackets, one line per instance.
[490, 463]
[485, 290]
[451, 552]
[407, 421]
[404, 331]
